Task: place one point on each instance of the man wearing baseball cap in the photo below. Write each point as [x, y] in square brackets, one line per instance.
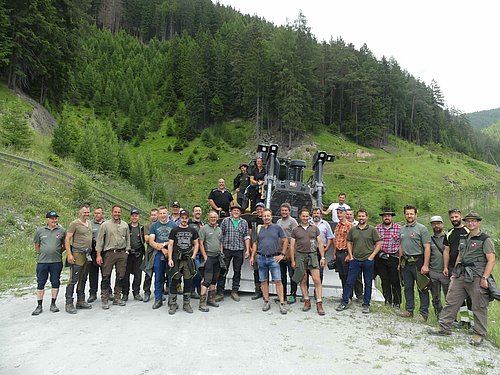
[175, 216]
[436, 264]
[49, 245]
[475, 263]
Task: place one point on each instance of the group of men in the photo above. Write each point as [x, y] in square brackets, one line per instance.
[180, 249]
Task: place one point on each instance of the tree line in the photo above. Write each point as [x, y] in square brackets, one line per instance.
[137, 62]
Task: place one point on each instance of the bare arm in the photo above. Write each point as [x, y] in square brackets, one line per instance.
[446, 260]
[427, 258]
[378, 244]
[67, 246]
[170, 252]
[202, 249]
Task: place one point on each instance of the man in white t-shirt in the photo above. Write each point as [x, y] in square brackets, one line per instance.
[333, 208]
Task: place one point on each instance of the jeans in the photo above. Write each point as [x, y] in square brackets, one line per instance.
[355, 267]
[286, 267]
[159, 266]
[266, 265]
[237, 257]
[409, 274]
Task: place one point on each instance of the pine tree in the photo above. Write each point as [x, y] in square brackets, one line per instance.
[15, 130]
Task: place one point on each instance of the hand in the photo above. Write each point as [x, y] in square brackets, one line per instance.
[334, 256]
[293, 264]
[399, 266]
[193, 257]
[483, 284]
[170, 263]
[348, 258]
[279, 258]
[424, 270]
[370, 259]
[71, 259]
[205, 257]
[445, 272]
[98, 259]
[247, 254]
[251, 262]
[322, 263]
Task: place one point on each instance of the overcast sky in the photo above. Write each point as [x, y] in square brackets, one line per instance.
[454, 42]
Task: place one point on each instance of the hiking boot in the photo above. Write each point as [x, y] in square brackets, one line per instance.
[342, 307]
[266, 306]
[125, 297]
[83, 305]
[291, 299]
[235, 296]
[195, 295]
[138, 297]
[461, 325]
[212, 298]
[421, 318]
[219, 297]
[70, 308]
[105, 305]
[203, 303]
[172, 304]
[283, 309]
[119, 302]
[307, 305]
[38, 310]
[406, 314]
[147, 297]
[365, 309]
[476, 340]
[92, 298]
[319, 308]
[439, 332]
[158, 303]
[186, 303]
[54, 308]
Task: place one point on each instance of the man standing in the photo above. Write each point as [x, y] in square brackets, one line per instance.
[175, 216]
[266, 247]
[363, 244]
[325, 231]
[387, 262]
[134, 259]
[78, 244]
[340, 252]
[333, 208]
[235, 241]
[257, 181]
[436, 264]
[221, 199]
[451, 243]
[182, 249]
[349, 215]
[113, 246]
[210, 245]
[149, 256]
[475, 264]
[240, 183]
[49, 245]
[287, 223]
[305, 240]
[253, 222]
[415, 255]
[158, 240]
[93, 267]
[196, 223]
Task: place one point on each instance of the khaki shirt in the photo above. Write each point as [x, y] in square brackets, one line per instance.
[113, 236]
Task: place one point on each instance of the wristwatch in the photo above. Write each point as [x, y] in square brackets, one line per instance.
[484, 278]
[323, 258]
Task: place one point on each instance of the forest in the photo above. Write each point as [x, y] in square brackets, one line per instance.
[134, 63]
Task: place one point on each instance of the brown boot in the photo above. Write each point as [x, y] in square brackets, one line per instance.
[186, 303]
[203, 303]
[70, 308]
[307, 305]
[211, 299]
[319, 308]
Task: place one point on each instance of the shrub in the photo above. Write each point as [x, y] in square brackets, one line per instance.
[190, 160]
[212, 156]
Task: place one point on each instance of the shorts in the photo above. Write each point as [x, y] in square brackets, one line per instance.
[266, 265]
[42, 274]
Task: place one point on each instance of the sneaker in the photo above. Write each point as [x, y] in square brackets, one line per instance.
[365, 309]
[119, 302]
[283, 309]
[235, 296]
[219, 297]
[38, 310]
[54, 308]
[147, 297]
[307, 305]
[476, 340]
[158, 303]
[266, 306]
[291, 300]
[92, 298]
[138, 297]
[421, 318]
[105, 305]
[439, 332]
[319, 308]
[406, 314]
[341, 307]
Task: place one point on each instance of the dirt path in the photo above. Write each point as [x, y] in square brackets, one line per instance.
[235, 338]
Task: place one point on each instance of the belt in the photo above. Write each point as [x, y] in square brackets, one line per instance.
[270, 255]
[341, 249]
[117, 250]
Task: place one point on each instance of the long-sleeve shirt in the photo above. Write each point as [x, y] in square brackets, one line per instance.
[234, 234]
[391, 238]
[113, 236]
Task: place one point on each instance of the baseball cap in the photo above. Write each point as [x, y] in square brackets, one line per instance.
[436, 218]
[184, 212]
[134, 211]
[340, 208]
[176, 204]
[260, 204]
[51, 214]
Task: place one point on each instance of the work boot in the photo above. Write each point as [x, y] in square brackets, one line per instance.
[147, 297]
[119, 302]
[54, 308]
[105, 305]
[138, 297]
[70, 308]
[235, 296]
[125, 297]
[172, 304]
[158, 303]
[203, 303]
[219, 297]
[81, 304]
[212, 299]
[186, 304]
[307, 305]
[195, 295]
[319, 308]
[38, 310]
[92, 298]
[258, 293]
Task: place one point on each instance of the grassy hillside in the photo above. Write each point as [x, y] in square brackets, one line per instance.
[483, 119]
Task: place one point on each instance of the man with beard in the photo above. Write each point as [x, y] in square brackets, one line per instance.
[182, 249]
[93, 267]
[387, 262]
[113, 246]
[257, 181]
[439, 280]
[134, 259]
[78, 244]
[325, 231]
[287, 223]
[240, 183]
[196, 223]
[415, 255]
[450, 254]
[149, 256]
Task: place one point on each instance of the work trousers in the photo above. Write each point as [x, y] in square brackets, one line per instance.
[439, 282]
[457, 291]
[133, 268]
[409, 275]
[387, 269]
[286, 267]
[77, 276]
[118, 259]
[237, 257]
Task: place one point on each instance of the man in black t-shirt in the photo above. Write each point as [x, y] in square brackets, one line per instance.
[182, 249]
[257, 180]
[220, 199]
